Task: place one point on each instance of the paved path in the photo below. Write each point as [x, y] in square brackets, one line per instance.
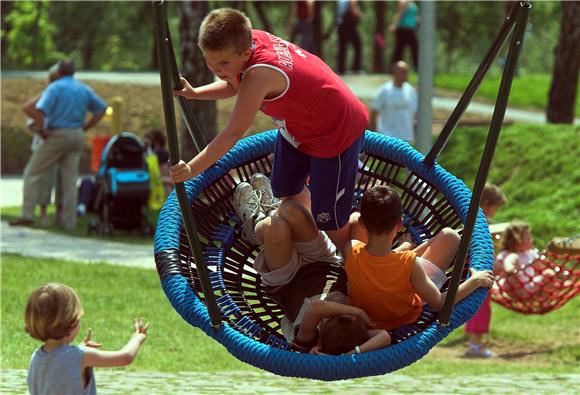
[43, 244]
[240, 382]
[40, 243]
[364, 86]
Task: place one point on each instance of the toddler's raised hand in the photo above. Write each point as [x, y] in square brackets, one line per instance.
[141, 327]
[88, 342]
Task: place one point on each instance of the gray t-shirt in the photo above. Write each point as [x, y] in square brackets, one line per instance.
[59, 372]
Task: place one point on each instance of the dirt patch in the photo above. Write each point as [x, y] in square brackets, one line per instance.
[506, 352]
[142, 110]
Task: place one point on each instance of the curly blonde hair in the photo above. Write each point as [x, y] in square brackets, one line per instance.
[225, 28]
[52, 311]
[513, 235]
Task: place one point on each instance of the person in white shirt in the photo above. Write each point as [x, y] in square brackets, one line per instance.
[393, 109]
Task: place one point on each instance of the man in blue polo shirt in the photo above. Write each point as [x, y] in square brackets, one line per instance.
[61, 110]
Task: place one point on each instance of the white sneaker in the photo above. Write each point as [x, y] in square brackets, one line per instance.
[478, 351]
[247, 206]
[261, 183]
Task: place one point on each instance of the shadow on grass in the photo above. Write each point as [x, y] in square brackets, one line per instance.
[510, 356]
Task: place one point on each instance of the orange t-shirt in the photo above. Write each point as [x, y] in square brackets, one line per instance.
[381, 286]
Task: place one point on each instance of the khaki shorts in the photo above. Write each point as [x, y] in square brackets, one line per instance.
[320, 249]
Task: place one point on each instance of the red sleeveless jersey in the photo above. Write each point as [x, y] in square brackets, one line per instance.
[317, 112]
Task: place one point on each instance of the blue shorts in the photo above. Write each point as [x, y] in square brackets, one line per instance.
[331, 180]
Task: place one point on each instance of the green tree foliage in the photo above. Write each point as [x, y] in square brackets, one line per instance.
[105, 35]
[118, 35]
[30, 36]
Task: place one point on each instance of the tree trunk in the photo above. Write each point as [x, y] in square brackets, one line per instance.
[258, 5]
[194, 70]
[564, 89]
[35, 35]
[87, 51]
[240, 5]
[379, 46]
[318, 29]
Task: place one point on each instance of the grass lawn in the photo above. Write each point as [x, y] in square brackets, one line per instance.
[529, 91]
[537, 168]
[112, 296]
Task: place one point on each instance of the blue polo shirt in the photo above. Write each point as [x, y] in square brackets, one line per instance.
[66, 101]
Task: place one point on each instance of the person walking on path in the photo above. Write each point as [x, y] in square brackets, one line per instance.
[394, 108]
[403, 26]
[349, 16]
[60, 112]
[304, 12]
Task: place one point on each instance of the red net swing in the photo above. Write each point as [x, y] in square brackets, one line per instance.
[544, 285]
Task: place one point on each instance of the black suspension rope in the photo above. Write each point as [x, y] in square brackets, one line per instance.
[165, 53]
[472, 87]
[186, 110]
[490, 144]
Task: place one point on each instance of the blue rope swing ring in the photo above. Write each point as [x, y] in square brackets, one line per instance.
[432, 199]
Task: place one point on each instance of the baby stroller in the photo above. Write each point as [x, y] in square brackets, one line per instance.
[123, 186]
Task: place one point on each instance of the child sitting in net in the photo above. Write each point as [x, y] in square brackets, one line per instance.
[53, 316]
[301, 271]
[515, 263]
[392, 285]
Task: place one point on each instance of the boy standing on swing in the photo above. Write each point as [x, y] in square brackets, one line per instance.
[321, 122]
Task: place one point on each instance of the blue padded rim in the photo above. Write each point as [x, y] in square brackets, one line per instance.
[293, 364]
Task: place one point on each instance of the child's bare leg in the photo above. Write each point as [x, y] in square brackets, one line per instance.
[441, 249]
[275, 234]
[290, 223]
[301, 222]
[303, 198]
[476, 338]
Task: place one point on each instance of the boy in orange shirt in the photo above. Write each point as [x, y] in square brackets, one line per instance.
[391, 286]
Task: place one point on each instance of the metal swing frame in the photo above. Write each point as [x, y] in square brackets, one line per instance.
[515, 23]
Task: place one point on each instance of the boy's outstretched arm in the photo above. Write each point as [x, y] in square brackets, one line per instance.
[123, 357]
[257, 84]
[429, 292]
[380, 338]
[215, 91]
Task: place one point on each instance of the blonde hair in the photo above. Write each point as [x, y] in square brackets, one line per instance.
[492, 196]
[513, 235]
[52, 311]
[225, 28]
